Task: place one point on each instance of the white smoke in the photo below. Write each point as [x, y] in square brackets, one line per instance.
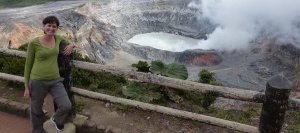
[241, 21]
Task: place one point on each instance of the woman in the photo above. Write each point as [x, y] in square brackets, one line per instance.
[42, 76]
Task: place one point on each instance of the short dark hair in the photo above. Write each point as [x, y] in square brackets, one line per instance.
[50, 20]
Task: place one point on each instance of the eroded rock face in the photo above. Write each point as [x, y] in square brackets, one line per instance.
[101, 30]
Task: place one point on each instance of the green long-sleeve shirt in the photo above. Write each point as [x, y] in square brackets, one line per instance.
[41, 62]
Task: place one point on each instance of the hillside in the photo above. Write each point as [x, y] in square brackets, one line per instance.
[100, 30]
[21, 3]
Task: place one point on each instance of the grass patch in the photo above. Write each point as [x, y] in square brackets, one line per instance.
[123, 108]
[94, 81]
[11, 98]
[203, 100]
[250, 116]
[79, 105]
[292, 120]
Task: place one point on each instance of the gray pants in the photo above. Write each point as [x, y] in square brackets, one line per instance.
[38, 92]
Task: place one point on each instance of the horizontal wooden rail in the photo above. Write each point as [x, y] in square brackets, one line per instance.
[169, 111]
[165, 110]
[233, 93]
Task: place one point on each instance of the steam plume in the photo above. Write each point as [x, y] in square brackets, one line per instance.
[241, 21]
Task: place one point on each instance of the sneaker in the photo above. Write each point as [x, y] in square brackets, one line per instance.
[58, 127]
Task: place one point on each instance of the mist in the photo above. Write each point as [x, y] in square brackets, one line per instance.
[241, 21]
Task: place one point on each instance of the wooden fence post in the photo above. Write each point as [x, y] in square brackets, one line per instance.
[275, 104]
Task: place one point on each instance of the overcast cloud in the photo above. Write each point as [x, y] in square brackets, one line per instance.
[240, 21]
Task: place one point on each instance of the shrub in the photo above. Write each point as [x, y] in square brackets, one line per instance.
[12, 65]
[142, 66]
[144, 92]
[203, 100]
[215, 83]
[95, 80]
[23, 47]
[79, 105]
[205, 76]
[81, 78]
[148, 92]
[169, 70]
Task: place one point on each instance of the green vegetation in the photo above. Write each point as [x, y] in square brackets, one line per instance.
[79, 105]
[169, 70]
[144, 92]
[250, 116]
[11, 98]
[215, 83]
[12, 65]
[292, 119]
[203, 100]
[23, 47]
[124, 108]
[21, 3]
[147, 92]
[205, 76]
[142, 66]
[94, 81]
[153, 93]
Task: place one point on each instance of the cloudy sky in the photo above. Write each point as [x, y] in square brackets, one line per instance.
[240, 21]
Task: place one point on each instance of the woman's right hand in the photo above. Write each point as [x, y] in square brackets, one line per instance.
[26, 92]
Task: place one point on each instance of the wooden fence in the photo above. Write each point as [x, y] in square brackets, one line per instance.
[275, 101]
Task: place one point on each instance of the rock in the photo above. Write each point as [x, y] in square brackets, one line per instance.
[102, 34]
[50, 128]
[116, 130]
[89, 126]
[79, 120]
[108, 129]
[107, 105]
[86, 113]
[101, 127]
[104, 43]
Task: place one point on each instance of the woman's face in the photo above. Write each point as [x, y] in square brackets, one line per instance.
[50, 28]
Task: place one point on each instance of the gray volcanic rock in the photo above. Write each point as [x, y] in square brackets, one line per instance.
[100, 30]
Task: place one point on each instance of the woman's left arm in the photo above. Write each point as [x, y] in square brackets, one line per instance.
[69, 49]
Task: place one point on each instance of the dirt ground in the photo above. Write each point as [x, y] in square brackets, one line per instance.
[130, 121]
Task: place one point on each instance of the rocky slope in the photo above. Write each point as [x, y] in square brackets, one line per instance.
[101, 29]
